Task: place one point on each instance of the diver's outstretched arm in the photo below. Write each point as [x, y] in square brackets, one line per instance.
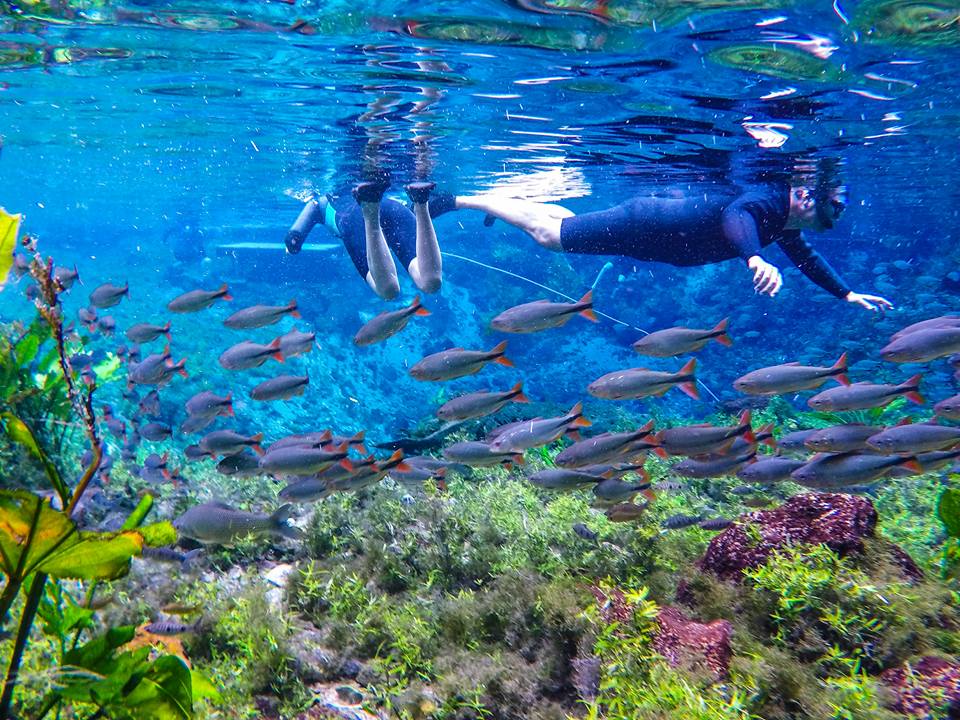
[541, 221]
[426, 269]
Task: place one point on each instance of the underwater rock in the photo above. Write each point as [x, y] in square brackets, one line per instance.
[839, 521]
[688, 643]
[313, 661]
[914, 685]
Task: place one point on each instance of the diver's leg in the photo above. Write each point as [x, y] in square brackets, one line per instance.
[382, 273]
[426, 268]
[541, 221]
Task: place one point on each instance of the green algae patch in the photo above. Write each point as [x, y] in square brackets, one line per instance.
[778, 62]
[910, 23]
[9, 226]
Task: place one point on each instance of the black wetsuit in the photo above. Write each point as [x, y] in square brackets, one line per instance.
[699, 229]
[396, 220]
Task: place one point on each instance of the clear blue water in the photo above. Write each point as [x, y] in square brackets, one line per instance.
[125, 122]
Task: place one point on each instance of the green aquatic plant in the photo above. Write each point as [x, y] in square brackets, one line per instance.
[779, 62]
[909, 22]
[948, 512]
[41, 545]
[635, 682]
[821, 600]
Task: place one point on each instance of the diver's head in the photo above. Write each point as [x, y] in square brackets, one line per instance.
[817, 202]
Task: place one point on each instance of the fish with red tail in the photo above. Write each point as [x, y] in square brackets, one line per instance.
[196, 300]
[228, 442]
[865, 395]
[833, 471]
[635, 383]
[388, 323]
[704, 439]
[791, 377]
[246, 355]
[145, 332]
[680, 340]
[607, 447]
[480, 404]
[457, 362]
[542, 315]
[258, 316]
[539, 431]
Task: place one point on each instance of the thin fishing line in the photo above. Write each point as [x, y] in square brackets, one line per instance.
[567, 297]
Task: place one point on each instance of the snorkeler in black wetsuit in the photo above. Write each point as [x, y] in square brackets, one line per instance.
[373, 226]
[697, 229]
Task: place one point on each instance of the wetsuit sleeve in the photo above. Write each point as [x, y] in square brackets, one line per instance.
[812, 264]
[740, 229]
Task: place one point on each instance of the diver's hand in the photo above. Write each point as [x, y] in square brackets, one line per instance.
[870, 302]
[766, 277]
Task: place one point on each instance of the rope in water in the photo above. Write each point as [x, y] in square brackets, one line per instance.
[606, 267]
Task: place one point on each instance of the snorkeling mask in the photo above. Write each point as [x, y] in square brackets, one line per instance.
[830, 205]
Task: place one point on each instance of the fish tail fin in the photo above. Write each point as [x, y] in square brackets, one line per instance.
[224, 292]
[166, 331]
[912, 464]
[255, 443]
[769, 440]
[403, 467]
[586, 302]
[181, 368]
[744, 422]
[912, 385]
[690, 390]
[646, 429]
[519, 459]
[649, 494]
[839, 370]
[230, 412]
[573, 434]
[498, 354]
[661, 453]
[576, 416]
[719, 333]
[326, 435]
[516, 393]
[280, 519]
[346, 465]
[417, 308]
[276, 353]
[292, 309]
[358, 441]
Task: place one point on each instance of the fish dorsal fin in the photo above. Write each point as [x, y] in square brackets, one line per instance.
[219, 504]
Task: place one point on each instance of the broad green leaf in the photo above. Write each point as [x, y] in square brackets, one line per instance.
[34, 537]
[948, 510]
[96, 556]
[27, 350]
[165, 692]
[29, 531]
[20, 433]
[158, 534]
[203, 687]
[107, 369]
[136, 518]
[9, 227]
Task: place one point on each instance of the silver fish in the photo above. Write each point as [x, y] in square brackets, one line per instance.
[216, 522]
[543, 315]
[388, 323]
[681, 341]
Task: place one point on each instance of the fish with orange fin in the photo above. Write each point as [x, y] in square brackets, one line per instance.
[791, 377]
[479, 454]
[303, 460]
[258, 316]
[539, 431]
[635, 383]
[196, 300]
[681, 340]
[457, 362]
[834, 471]
[246, 355]
[704, 439]
[479, 404]
[607, 447]
[388, 323]
[542, 315]
[864, 395]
